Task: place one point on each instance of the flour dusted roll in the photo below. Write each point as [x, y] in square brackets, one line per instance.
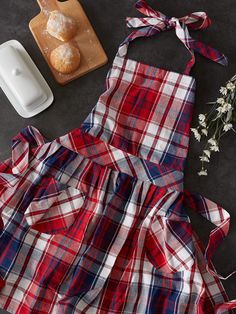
[65, 58]
[61, 26]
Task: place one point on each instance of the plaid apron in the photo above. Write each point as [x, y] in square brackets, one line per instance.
[95, 221]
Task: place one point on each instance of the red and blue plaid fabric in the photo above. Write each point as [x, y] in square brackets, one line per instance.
[95, 221]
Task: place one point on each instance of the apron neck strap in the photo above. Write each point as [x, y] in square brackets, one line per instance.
[156, 22]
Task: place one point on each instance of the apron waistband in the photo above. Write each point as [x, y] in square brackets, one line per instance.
[156, 22]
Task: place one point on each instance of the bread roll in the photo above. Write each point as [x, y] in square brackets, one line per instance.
[65, 58]
[61, 26]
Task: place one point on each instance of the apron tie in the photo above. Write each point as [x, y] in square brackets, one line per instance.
[217, 216]
[21, 144]
[221, 219]
[156, 22]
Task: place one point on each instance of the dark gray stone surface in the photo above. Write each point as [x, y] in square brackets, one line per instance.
[74, 101]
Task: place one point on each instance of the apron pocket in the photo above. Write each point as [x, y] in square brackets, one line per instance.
[169, 245]
[54, 207]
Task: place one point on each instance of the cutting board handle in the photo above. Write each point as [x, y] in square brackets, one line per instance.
[48, 5]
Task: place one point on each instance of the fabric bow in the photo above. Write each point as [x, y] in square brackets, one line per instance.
[156, 22]
[11, 170]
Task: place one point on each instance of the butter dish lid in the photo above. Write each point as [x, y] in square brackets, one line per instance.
[21, 80]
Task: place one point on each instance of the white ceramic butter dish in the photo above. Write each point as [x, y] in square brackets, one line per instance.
[21, 80]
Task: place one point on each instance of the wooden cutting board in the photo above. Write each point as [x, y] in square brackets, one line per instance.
[92, 53]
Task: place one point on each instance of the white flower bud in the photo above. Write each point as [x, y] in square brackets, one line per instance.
[212, 141]
[215, 148]
[207, 153]
[230, 86]
[197, 135]
[202, 117]
[205, 132]
[223, 91]
[228, 126]
[220, 101]
[203, 172]
[204, 159]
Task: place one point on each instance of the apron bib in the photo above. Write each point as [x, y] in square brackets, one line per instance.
[95, 221]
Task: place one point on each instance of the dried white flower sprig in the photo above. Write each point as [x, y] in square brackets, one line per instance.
[218, 121]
